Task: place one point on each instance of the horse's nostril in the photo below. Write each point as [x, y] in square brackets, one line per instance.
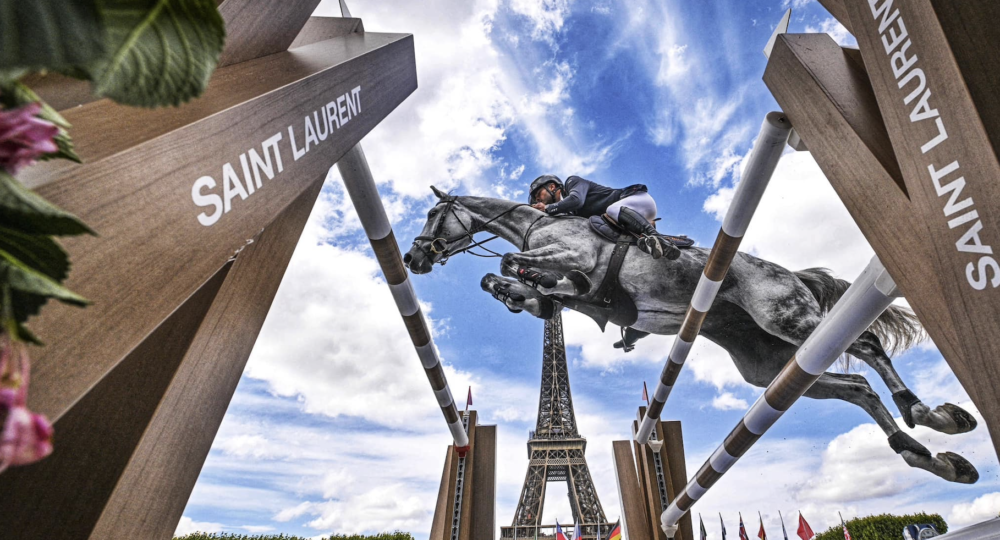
[407, 258]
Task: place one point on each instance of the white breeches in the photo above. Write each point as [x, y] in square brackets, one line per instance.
[640, 202]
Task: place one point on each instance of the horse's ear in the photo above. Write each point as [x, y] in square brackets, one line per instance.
[440, 194]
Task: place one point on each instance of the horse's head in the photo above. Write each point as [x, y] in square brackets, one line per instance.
[449, 228]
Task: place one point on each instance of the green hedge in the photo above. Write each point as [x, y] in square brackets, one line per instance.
[882, 527]
[230, 536]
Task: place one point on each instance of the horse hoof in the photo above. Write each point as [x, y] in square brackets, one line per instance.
[964, 421]
[965, 473]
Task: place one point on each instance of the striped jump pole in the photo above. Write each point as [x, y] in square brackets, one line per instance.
[763, 160]
[361, 188]
[863, 302]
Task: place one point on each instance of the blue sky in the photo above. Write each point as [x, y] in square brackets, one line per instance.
[333, 427]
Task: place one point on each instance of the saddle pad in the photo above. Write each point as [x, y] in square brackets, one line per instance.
[611, 233]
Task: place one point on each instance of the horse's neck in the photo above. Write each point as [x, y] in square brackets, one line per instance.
[513, 222]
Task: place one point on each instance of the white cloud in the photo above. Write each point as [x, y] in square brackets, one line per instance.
[795, 4]
[836, 30]
[188, 526]
[801, 221]
[546, 16]
[726, 401]
[981, 509]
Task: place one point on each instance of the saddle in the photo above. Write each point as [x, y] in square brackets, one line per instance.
[609, 303]
[611, 232]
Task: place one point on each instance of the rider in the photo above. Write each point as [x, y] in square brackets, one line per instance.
[631, 208]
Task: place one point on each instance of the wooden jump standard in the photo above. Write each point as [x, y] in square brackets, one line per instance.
[763, 160]
[198, 209]
[863, 302]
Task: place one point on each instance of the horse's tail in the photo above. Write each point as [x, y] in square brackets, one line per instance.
[897, 328]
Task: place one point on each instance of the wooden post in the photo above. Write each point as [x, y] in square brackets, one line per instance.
[472, 515]
[630, 498]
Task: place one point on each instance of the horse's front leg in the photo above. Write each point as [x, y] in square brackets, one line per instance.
[518, 297]
[551, 269]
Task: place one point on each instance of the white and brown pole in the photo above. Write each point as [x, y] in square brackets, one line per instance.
[863, 302]
[763, 160]
[361, 188]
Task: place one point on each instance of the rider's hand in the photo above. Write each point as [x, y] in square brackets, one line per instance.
[539, 206]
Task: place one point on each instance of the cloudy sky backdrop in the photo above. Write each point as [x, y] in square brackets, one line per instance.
[333, 427]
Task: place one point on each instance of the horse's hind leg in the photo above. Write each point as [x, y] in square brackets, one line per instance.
[947, 418]
[855, 389]
[518, 297]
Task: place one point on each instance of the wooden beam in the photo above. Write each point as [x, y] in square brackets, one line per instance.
[634, 520]
[444, 513]
[673, 456]
[323, 28]
[257, 28]
[153, 491]
[640, 466]
[839, 12]
[136, 187]
[97, 437]
[482, 508]
[942, 114]
[827, 97]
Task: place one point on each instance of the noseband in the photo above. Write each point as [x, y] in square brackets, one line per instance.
[439, 244]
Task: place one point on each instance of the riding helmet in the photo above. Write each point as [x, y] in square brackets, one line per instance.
[540, 183]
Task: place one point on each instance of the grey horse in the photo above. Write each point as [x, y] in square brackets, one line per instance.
[761, 315]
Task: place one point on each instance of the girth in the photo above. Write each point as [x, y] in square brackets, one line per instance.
[609, 303]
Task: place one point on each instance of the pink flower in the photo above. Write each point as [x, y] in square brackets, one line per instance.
[24, 137]
[26, 436]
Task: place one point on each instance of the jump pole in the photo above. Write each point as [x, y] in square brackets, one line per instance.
[763, 160]
[863, 302]
[361, 187]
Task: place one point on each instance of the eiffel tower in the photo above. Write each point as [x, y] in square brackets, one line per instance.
[556, 452]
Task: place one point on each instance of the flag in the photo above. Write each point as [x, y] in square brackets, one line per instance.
[761, 534]
[723, 526]
[847, 535]
[559, 533]
[616, 531]
[645, 394]
[468, 401]
[704, 533]
[805, 531]
[577, 534]
[743, 531]
[783, 531]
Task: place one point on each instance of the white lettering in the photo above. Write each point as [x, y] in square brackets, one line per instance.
[971, 243]
[341, 109]
[919, 73]
[246, 173]
[296, 152]
[979, 283]
[316, 120]
[896, 38]
[356, 93]
[942, 136]
[231, 187]
[964, 218]
[331, 117]
[311, 139]
[272, 143]
[900, 64]
[883, 12]
[212, 199]
[923, 111]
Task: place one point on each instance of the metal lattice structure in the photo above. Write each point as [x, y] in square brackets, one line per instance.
[556, 451]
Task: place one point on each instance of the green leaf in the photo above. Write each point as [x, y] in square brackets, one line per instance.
[39, 252]
[23, 210]
[29, 289]
[160, 52]
[53, 35]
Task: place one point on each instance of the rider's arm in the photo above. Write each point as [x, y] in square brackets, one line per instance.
[572, 201]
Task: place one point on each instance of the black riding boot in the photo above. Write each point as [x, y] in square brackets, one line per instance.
[629, 337]
[649, 241]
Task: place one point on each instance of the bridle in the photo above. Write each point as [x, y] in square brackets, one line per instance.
[439, 244]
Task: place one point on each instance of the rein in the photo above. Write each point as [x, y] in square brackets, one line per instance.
[439, 245]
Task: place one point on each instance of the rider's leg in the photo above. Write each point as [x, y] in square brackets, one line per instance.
[649, 241]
